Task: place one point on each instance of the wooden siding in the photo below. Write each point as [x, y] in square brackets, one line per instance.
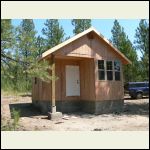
[112, 90]
[97, 49]
[108, 90]
[88, 48]
[90, 33]
[83, 52]
[42, 90]
[87, 79]
[78, 48]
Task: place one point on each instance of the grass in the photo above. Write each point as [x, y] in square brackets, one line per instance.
[12, 93]
[11, 124]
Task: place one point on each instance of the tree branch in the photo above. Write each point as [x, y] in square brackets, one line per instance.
[10, 58]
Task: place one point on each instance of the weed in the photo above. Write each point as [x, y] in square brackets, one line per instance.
[16, 117]
[11, 124]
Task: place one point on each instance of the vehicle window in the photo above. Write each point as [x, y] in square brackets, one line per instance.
[137, 85]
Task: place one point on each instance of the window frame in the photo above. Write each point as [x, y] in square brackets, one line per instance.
[109, 70]
[102, 70]
[113, 70]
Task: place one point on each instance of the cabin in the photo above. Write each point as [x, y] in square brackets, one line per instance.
[90, 76]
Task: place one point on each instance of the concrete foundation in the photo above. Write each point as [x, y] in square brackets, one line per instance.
[94, 107]
[103, 107]
[43, 106]
[54, 116]
[110, 106]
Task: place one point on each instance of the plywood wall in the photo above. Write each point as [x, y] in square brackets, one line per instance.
[106, 90]
[41, 90]
[97, 49]
[79, 48]
[86, 79]
[61, 83]
[88, 48]
[111, 90]
[83, 52]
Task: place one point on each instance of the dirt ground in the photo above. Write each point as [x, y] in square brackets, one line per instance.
[135, 117]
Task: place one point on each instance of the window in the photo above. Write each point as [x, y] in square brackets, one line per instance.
[135, 85]
[101, 70]
[109, 70]
[117, 70]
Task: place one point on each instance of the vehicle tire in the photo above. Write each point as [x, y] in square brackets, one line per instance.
[139, 95]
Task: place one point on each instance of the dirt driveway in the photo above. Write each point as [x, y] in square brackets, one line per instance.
[135, 117]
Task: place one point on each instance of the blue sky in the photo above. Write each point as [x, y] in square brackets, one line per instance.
[104, 26]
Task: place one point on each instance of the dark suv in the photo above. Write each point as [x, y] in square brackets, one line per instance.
[137, 89]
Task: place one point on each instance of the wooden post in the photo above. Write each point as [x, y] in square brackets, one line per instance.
[53, 104]
[53, 115]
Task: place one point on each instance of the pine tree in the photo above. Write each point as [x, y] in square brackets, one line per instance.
[7, 41]
[19, 56]
[117, 34]
[6, 35]
[26, 39]
[142, 44]
[53, 32]
[80, 25]
[7, 54]
[26, 44]
[40, 45]
[121, 41]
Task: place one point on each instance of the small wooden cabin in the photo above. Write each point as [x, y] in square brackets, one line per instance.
[90, 76]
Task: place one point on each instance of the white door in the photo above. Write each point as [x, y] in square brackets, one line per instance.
[72, 81]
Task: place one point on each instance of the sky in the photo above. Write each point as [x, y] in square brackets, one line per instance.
[103, 26]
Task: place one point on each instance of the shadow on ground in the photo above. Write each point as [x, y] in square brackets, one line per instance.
[136, 109]
[26, 95]
[28, 110]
